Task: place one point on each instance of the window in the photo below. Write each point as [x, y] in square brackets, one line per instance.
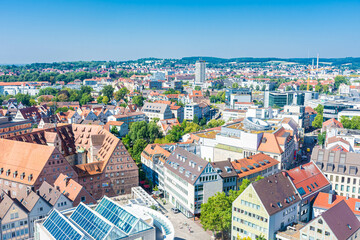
[312, 228]
[83, 199]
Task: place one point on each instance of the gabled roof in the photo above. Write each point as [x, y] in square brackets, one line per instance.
[24, 160]
[307, 179]
[341, 220]
[253, 164]
[269, 143]
[186, 165]
[276, 193]
[332, 122]
[327, 200]
[49, 193]
[5, 203]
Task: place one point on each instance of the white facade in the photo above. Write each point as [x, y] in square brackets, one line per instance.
[200, 68]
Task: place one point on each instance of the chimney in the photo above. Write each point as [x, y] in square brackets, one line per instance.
[28, 190]
[301, 167]
[331, 197]
[229, 159]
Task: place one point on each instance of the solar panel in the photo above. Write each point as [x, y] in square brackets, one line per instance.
[93, 224]
[60, 228]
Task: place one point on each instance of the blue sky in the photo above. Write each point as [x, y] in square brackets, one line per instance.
[64, 30]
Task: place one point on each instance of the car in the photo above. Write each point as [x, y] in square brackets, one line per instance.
[175, 210]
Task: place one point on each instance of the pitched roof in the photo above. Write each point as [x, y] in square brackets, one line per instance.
[332, 122]
[5, 204]
[185, 164]
[341, 220]
[269, 143]
[322, 201]
[70, 188]
[224, 168]
[253, 164]
[307, 178]
[276, 193]
[49, 193]
[23, 158]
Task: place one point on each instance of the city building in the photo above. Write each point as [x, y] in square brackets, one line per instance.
[232, 114]
[108, 220]
[308, 181]
[128, 117]
[156, 110]
[331, 110]
[192, 110]
[190, 181]
[341, 168]
[349, 113]
[280, 99]
[325, 201]
[237, 95]
[167, 124]
[228, 174]
[89, 154]
[121, 127]
[253, 166]
[10, 128]
[264, 207]
[339, 222]
[200, 72]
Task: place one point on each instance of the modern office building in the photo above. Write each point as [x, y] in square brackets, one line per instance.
[280, 99]
[237, 95]
[332, 110]
[200, 72]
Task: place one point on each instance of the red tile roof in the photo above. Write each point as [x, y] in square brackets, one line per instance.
[308, 178]
[322, 201]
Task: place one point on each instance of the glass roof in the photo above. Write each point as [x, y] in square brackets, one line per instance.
[60, 228]
[93, 224]
[117, 215]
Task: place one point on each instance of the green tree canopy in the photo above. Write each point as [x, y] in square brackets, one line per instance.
[138, 100]
[108, 91]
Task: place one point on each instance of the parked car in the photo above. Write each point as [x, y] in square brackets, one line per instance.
[175, 210]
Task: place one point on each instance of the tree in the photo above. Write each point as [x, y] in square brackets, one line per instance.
[288, 88]
[207, 93]
[303, 87]
[202, 121]
[197, 88]
[108, 91]
[138, 100]
[32, 102]
[321, 138]
[318, 121]
[257, 88]
[137, 149]
[23, 98]
[99, 99]
[339, 80]
[263, 88]
[121, 94]
[310, 87]
[319, 109]
[105, 100]
[62, 98]
[345, 121]
[318, 88]
[85, 98]
[326, 88]
[114, 131]
[196, 119]
[216, 212]
[235, 85]
[215, 123]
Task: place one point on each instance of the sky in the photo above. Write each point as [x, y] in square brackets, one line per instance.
[72, 30]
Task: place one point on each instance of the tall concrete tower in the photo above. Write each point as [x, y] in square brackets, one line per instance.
[317, 62]
[200, 67]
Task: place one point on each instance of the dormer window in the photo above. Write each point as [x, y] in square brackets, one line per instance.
[15, 174]
[30, 177]
[1, 170]
[22, 176]
[8, 172]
